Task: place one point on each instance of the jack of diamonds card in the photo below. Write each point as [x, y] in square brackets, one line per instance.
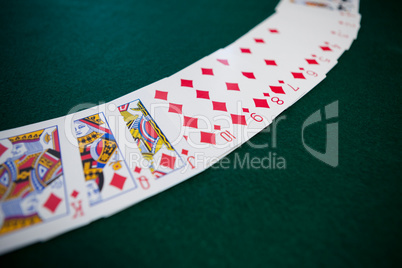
[40, 195]
[159, 155]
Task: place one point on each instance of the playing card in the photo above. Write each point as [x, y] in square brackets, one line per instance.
[106, 172]
[297, 77]
[349, 6]
[323, 19]
[281, 49]
[159, 155]
[302, 29]
[63, 173]
[41, 186]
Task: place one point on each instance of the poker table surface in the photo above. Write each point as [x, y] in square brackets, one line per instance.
[58, 54]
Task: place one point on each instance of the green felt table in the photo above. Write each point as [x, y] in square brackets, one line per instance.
[58, 54]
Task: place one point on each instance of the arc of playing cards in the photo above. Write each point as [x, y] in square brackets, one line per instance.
[63, 173]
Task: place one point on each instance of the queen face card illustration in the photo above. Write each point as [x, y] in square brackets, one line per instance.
[32, 185]
[105, 170]
[158, 154]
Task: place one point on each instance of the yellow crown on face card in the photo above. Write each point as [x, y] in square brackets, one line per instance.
[32, 136]
[95, 119]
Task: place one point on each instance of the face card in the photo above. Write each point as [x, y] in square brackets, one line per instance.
[158, 153]
[32, 184]
[105, 170]
[41, 194]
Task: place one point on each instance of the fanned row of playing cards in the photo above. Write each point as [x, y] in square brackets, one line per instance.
[64, 173]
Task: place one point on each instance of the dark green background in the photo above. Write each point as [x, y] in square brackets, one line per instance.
[57, 54]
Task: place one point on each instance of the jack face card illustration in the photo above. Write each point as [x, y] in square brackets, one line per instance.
[105, 170]
[159, 156]
[32, 185]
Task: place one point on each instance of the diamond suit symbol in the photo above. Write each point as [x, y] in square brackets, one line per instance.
[186, 83]
[2, 149]
[168, 161]
[74, 194]
[249, 75]
[273, 30]
[298, 76]
[224, 62]
[52, 202]
[277, 89]
[207, 71]
[232, 86]
[162, 95]
[175, 108]
[311, 61]
[259, 40]
[118, 181]
[207, 137]
[270, 62]
[219, 106]
[201, 94]
[325, 48]
[245, 50]
[261, 103]
[190, 122]
[238, 119]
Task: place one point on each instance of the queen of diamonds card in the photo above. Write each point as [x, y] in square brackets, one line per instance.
[105, 170]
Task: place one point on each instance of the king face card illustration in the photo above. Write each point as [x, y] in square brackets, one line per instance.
[32, 186]
[105, 170]
[158, 153]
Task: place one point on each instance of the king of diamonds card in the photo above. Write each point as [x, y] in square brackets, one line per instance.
[32, 187]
